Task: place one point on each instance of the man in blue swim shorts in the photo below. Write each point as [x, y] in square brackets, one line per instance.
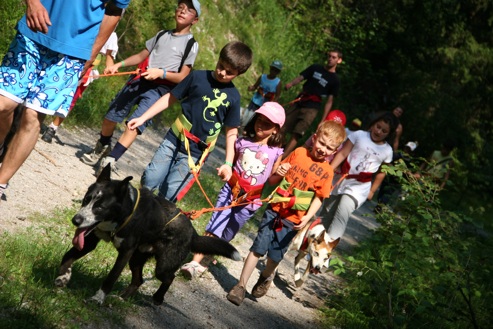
[42, 66]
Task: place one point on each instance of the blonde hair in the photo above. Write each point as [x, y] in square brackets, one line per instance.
[333, 130]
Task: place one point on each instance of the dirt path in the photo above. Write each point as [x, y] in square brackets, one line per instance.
[53, 177]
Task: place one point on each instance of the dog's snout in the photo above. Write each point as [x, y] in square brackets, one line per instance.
[77, 220]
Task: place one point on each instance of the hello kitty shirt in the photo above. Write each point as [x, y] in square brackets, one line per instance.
[254, 161]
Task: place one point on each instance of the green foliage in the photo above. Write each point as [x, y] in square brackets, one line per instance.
[28, 269]
[423, 267]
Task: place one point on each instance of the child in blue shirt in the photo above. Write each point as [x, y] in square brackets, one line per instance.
[210, 101]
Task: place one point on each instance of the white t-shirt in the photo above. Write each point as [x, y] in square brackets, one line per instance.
[366, 156]
[111, 44]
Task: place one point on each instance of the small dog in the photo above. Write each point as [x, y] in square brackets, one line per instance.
[312, 240]
[140, 225]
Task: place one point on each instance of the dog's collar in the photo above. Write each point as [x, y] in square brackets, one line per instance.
[127, 220]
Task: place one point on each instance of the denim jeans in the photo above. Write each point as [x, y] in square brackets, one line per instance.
[168, 171]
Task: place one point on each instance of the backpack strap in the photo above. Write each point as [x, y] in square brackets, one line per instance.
[188, 48]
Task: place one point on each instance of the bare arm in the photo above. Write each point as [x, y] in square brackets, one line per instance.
[130, 61]
[109, 58]
[37, 17]
[294, 82]
[255, 85]
[225, 171]
[398, 134]
[111, 18]
[175, 77]
[328, 106]
[379, 176]
[278, 91]
[342, 154]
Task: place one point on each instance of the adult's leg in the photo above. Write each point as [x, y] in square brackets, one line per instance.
[21, 144]
[7, 107]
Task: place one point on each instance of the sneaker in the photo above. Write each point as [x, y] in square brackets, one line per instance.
[104, 162]
[192, 270]
[236, 295]
[260, 288]
[48, 134]
[92, 157]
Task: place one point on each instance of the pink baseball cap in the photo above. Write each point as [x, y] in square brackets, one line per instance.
[337, 116]
[274, 112]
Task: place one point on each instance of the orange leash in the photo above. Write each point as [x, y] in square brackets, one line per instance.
[115, 74]
[292, 102]
[194, 214]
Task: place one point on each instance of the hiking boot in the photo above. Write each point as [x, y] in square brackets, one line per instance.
[48, 134]
[260, 288]
[104, 162]
[192, 270]
[99, 151]
[236, 295]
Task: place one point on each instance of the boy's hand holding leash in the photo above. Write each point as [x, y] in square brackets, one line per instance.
[153, 74]
[225, 172]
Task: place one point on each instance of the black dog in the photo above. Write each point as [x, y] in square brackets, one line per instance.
[140, 225]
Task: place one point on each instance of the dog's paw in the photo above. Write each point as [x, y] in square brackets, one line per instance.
[298, 283]
[98, 297]
[62, 280]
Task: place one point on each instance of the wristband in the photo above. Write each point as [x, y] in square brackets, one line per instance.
[228, 163]
[123, 63]
[164, 74]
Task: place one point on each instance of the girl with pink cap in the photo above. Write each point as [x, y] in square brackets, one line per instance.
[257, 156]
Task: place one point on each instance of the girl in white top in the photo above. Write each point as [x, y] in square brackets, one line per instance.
[361, 159]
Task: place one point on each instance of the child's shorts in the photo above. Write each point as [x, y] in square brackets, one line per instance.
[138, 92]
[42, 79]
[271, 242]
[299, 120]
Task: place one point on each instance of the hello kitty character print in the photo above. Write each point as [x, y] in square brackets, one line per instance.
[254, 163]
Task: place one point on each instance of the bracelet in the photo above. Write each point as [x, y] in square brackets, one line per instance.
[164, 74]
[228, 163]
[123, 63]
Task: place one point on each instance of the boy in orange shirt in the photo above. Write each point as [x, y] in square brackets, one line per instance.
[304, 180]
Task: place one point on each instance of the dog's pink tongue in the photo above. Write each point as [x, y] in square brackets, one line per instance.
[78, 240]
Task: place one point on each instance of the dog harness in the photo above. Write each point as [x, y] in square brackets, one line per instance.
[181, 128]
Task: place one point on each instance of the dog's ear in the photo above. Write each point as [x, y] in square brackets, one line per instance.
[334, 243]
[123, 187]
[321, 237]
[105, 174]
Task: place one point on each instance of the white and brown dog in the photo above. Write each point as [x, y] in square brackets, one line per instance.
[312, 240]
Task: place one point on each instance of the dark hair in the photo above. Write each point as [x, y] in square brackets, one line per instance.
[335, 50]
[238, 55]
[389, 119]
[275, 140]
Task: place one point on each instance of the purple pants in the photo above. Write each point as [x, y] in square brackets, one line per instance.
[226, 223]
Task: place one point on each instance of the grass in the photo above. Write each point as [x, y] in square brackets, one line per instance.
[31, 257]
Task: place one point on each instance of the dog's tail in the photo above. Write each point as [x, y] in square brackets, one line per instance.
[214, 246]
